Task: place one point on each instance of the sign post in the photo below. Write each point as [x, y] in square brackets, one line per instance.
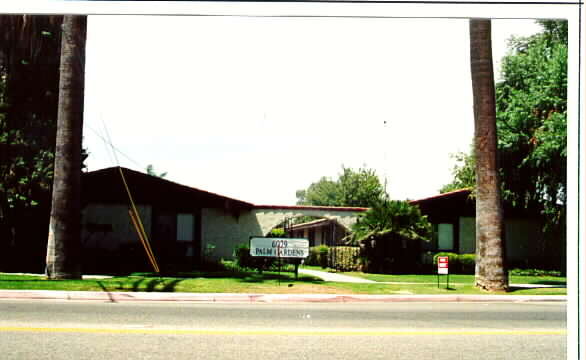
[280, 248]
[442, 268]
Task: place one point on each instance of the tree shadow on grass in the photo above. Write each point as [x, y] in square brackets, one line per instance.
[106, 291]
[259, 278]
[145, 285]
[556, 283]
[242, 276]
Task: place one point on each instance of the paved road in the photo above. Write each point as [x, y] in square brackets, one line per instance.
[98, 330]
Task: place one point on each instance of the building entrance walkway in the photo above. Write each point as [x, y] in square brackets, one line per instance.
[327, 276]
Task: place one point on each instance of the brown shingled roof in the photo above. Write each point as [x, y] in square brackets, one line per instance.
[105, 186]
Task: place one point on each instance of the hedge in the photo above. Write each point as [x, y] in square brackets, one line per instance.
[458, 263]
[344, 258]
[318, 256]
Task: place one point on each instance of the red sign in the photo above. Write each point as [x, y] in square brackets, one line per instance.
[442, 264]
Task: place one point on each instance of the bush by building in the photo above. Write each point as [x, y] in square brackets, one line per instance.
[344, 258]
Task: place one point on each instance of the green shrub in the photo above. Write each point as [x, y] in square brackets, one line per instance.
[212, 265]
[242, 254]
[277, 233]
[322, 256]
[245, 261]
[458, 263]
[344, 258]
[453, 261]
[467, 263]
[312, 258]
[452, 258]
[534, 272]
[318, 256]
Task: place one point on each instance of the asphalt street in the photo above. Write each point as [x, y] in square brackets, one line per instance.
[98, 330]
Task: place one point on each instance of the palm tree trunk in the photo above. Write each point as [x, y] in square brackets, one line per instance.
[63, 247]
[490, 264]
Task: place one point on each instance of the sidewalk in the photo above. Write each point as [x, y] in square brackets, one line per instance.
[261, 298]
[327, 276]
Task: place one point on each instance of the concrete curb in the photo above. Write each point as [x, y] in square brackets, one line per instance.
[262, 298]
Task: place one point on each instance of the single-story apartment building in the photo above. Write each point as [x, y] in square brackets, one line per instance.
[320, 232]
[186, 225]
[176, 218]
[452, 215]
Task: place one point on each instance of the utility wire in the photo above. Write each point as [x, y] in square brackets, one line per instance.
[114, 148]
[110, 142]
[133, 211]
[106, 146]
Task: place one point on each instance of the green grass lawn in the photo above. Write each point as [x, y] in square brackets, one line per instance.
[458, 283]
[197, 282]
[267, 283]
[457, 278]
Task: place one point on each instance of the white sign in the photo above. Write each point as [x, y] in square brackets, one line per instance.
[279, 247]
[442, 265]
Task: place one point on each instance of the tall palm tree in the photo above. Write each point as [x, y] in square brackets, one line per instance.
[63, 247]
[490, 260]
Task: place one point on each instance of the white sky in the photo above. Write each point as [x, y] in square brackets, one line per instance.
[257, 108]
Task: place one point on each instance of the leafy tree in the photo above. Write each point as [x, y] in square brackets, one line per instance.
[386, 216]
[490, 271]
[150, 170]
[360, 188]
[325, 192]
[356, 188]
[464, 173]
[381, 230]
[531, 120]
[531, 105]
[29, 80]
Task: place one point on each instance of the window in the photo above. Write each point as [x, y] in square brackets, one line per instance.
[184, 227]
[445, 237]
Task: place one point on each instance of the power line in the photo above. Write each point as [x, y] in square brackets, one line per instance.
[108, 148]
[110, 141]
[114, 148]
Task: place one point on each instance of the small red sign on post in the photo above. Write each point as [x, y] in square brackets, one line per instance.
[442, 265]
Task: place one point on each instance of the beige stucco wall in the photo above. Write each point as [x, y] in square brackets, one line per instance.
[122, 229]
[269, 218]
[225, 231]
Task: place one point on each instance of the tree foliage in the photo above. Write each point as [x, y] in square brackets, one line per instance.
[531, 120]
[464, 173]
[389, 235]
[150, 170]
[356, 188]
[394, 217]
[531, 105]
[29, 80]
